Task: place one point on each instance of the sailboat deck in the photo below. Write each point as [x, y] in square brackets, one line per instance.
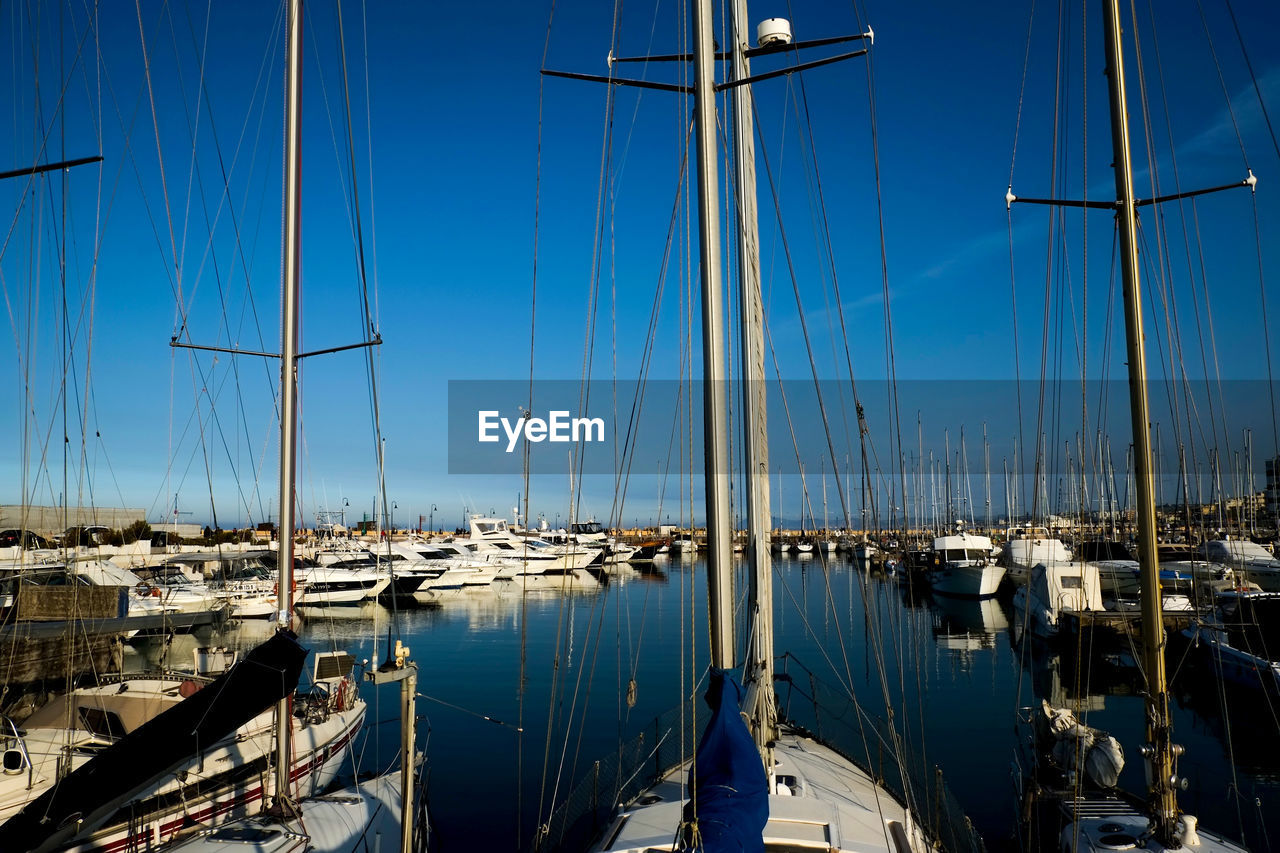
[820, 802]
[1110, 823]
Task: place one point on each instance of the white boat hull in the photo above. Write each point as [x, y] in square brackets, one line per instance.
[967, 581]
[216, 786]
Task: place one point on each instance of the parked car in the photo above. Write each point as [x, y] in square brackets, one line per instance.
[87, 534]
[15, 538]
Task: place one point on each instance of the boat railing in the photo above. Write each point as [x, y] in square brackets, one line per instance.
[836, 719]
[804, 701]
[586, 812]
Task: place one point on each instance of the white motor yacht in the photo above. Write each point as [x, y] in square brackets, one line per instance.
[966, 567]
[1025, 546]
[537, 556]
[1249, 560]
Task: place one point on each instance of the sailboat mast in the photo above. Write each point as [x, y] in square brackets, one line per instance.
[986, 467]
[715, 415]
[291, 262]
[1159, 750]
[825, 525]
[755, 444]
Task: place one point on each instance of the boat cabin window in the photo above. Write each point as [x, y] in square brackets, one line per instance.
[1071, 582]
[254, 834]
[101, 723]
[1090, 551]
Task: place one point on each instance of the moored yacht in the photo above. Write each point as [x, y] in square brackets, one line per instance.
[452, 566]
[537, 556]
[1120, 575]
[1027, 545]
[1249, 560]
[225, 779]
[1054, 589]
[345, 584]
[965, 565]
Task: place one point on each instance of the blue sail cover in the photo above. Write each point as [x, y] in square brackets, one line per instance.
[730, 803]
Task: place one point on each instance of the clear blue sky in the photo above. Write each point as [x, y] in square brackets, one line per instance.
[447, 163]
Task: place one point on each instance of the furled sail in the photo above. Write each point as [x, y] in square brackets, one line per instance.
[1077, 748]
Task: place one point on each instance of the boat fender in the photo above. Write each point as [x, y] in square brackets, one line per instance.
[189, 688]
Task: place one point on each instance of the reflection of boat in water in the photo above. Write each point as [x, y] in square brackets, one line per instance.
[966, 624]
[1229, 703]
[1066, 679]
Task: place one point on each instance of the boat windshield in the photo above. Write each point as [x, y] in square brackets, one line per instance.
[168, 575]
[1103, 550]
[955, 555]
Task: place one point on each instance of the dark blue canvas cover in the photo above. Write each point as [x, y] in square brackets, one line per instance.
[730, 803]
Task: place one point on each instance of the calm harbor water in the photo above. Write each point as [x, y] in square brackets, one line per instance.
[521, 693]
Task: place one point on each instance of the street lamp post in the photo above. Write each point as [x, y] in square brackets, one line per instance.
[432, 521]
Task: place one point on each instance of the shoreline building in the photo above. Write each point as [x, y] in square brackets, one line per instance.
[1271, 497]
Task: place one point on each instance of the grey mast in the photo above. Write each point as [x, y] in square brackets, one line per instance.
[715, 415]
[759, 671]
[292, 262]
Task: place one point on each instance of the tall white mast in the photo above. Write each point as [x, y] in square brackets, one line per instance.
[715, 415]
[291, 262]
[760, 704]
